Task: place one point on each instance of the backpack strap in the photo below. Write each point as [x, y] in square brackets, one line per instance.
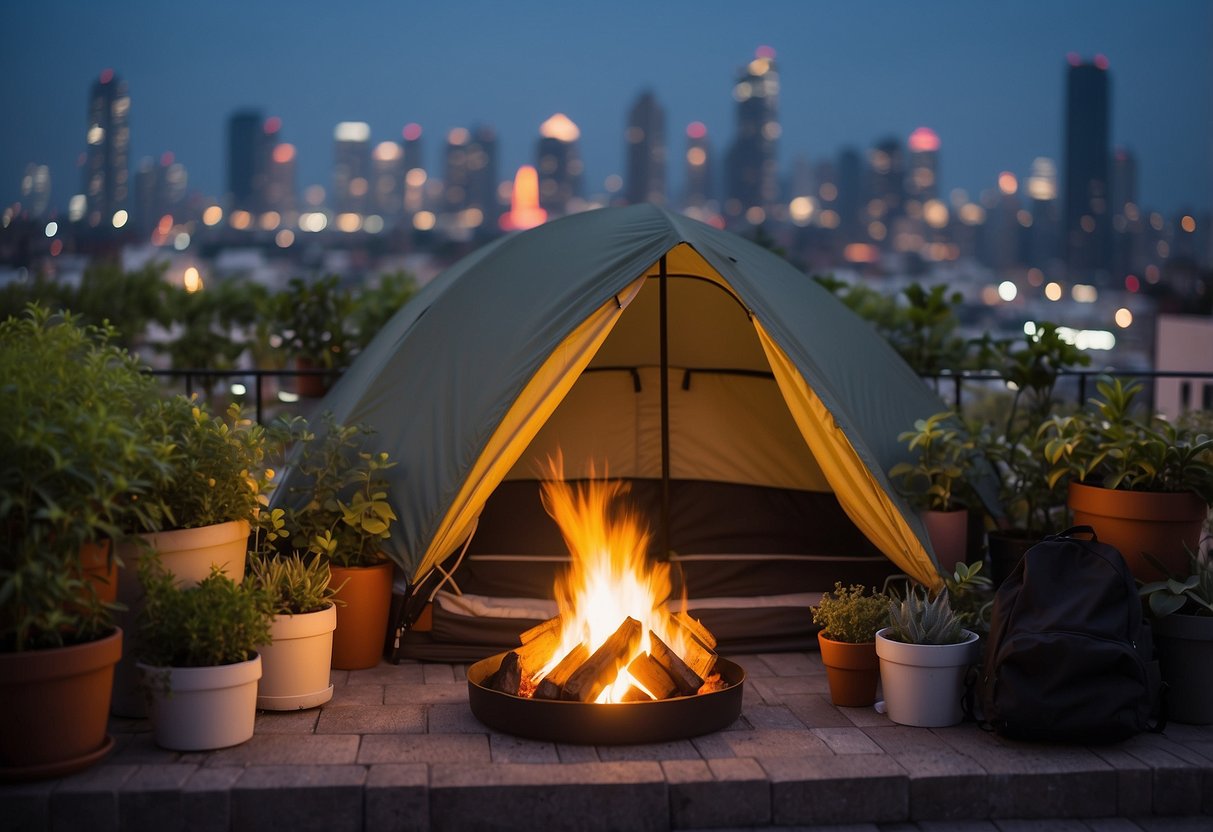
[1075, 530]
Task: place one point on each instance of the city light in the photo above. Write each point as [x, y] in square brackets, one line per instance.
[372, 224]
[213, 215]
[1053, 291]
[613, 184]
[1084, 293]
[352, 131]
[755, 215]
[270, 220]
[283, 154]
[696, 156]
[238, 389]
[696, 130]
[76, 206]
[1007, 183]
[313, 221]
[181, 242]
[1124, 318]
[561, 128]
[1188, 223]
[1087, 339]
[284, 238]
[935, 212]
[52, 228]
[1132, 283]
[349, 222]
[801, 210]
[923, 140]
[411, 132]
[240, 220]
[524, 210]
[120, 218]
[1007, 291]
[424, 221]
[192, 280]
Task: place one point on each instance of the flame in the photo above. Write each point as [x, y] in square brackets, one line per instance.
[610, 576]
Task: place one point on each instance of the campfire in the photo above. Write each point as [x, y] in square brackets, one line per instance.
[615, 639]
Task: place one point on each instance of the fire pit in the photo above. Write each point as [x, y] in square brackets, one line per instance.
[616, 665]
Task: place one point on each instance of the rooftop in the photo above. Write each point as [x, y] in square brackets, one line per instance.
[398, 748]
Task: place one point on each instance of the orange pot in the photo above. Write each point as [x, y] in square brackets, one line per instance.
[101, 569]
[949, 534]
[56, 705]
[1137, 522]
[852, 671]
[362, 620]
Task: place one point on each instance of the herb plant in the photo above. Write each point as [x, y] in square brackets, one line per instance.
[848, 614]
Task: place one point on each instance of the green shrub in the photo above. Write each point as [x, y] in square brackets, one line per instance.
[848, 614]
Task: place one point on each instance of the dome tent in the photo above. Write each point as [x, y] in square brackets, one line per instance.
[559, 338]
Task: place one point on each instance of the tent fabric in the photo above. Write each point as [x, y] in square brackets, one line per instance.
[469, 374]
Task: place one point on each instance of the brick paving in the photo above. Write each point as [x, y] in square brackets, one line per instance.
[398, 748]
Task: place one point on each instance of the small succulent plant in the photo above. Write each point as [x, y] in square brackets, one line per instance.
[920, 619]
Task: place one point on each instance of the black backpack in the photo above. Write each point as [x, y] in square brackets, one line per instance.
[1069, 658]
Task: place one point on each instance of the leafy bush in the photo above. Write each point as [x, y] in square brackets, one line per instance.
[938, 478]
[848, 614]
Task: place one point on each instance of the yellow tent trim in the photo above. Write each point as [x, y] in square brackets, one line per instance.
[534, 405]
[861, 497]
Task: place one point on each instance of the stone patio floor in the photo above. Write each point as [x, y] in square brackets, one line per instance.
[398, 748]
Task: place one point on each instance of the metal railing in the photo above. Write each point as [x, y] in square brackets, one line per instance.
[191, 377]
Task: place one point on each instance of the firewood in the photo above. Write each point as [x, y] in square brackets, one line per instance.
[551, 625]
[553, 684]
[508, 678]
[687, 680]
[600, 669]
[648, 672]
[697, 656]
[696, 628]
[635, 694]
[538, 650]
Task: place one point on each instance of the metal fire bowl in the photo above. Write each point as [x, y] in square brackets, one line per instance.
[625, 723]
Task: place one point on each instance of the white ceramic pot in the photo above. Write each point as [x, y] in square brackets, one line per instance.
[188, 554]
[295, 667]
[202, 708]
[923, 683]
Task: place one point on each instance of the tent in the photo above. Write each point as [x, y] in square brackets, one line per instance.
[754, 415]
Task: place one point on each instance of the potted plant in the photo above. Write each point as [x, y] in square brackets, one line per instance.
[312, 321]
[71, 454]
[936, 483]
[344, 518]
[924, 655]
[198, 513]
[1182, 609]
[849, 618]
[1144, 485]
[1034, 505]
[198, 657]
[295, 663]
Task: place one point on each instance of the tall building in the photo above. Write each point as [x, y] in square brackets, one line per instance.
[414, 169]
[36, 190]
[850, 193]
[644, 147]
[560, 166]
[1127, 224]
[106, 166]
[281, 191]
[482, 175]
[1044, 237]
[922, 181]
[697, 190]
[1086, 214]
[160, 191]
[387, 179]
[247, 156]
[351, 167]
[752, 166]
[886, 186]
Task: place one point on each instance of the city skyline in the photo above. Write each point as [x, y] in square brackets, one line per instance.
[1162, 104]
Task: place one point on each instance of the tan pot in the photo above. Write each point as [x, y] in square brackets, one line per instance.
[852, 671]
[1136, 522]
[362, 622]
[949, 534]
[201, 708]
[188, 554]
[295, 666]
[55, 704]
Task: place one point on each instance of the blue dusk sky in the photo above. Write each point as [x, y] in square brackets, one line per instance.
[989, 78]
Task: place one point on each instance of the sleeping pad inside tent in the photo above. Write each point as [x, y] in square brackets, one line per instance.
[752, 416]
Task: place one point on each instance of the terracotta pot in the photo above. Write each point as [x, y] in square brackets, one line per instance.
[55, 704]
[1007, 549]
[1184, 644]
[362, 622]
[188, 554]
[295, 666]
[923, 683]
[202, 708]
[311, 386]
[949, 534]
[1136, 522]
[852, 671]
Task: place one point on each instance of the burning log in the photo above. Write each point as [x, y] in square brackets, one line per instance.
[687, 680]
[553, 684]
[695, 627]
[647, 671]
[600, 669]
[552, 625]
[698, 656]
[539, 644]
[635, 694]
[508, 678]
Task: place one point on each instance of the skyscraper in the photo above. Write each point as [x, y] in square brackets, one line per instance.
[698, 188]
[106, 168]
[387, 179]
[482, 174]
[414, 169]
[560, 166]
[36, 189]
[1086, 216]
[644, 147]
[922, 183]
[752, 183]
[1126, 215]
[160, 189]
[247, 155]
[1044, 235]
[351, 167]
[280, 187]
[886, 190]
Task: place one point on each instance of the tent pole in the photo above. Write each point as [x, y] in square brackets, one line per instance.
[665, 414]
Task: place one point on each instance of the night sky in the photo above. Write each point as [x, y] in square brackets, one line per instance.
[988, 77]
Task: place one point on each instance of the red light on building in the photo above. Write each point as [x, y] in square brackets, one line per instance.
[166, 158]
[272, 125]
[411, 132]
[696, 130]
[107, 75]
[1132, 283]
[924, 140]
[1073, 59]
[765, 52]
[1101, 61]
